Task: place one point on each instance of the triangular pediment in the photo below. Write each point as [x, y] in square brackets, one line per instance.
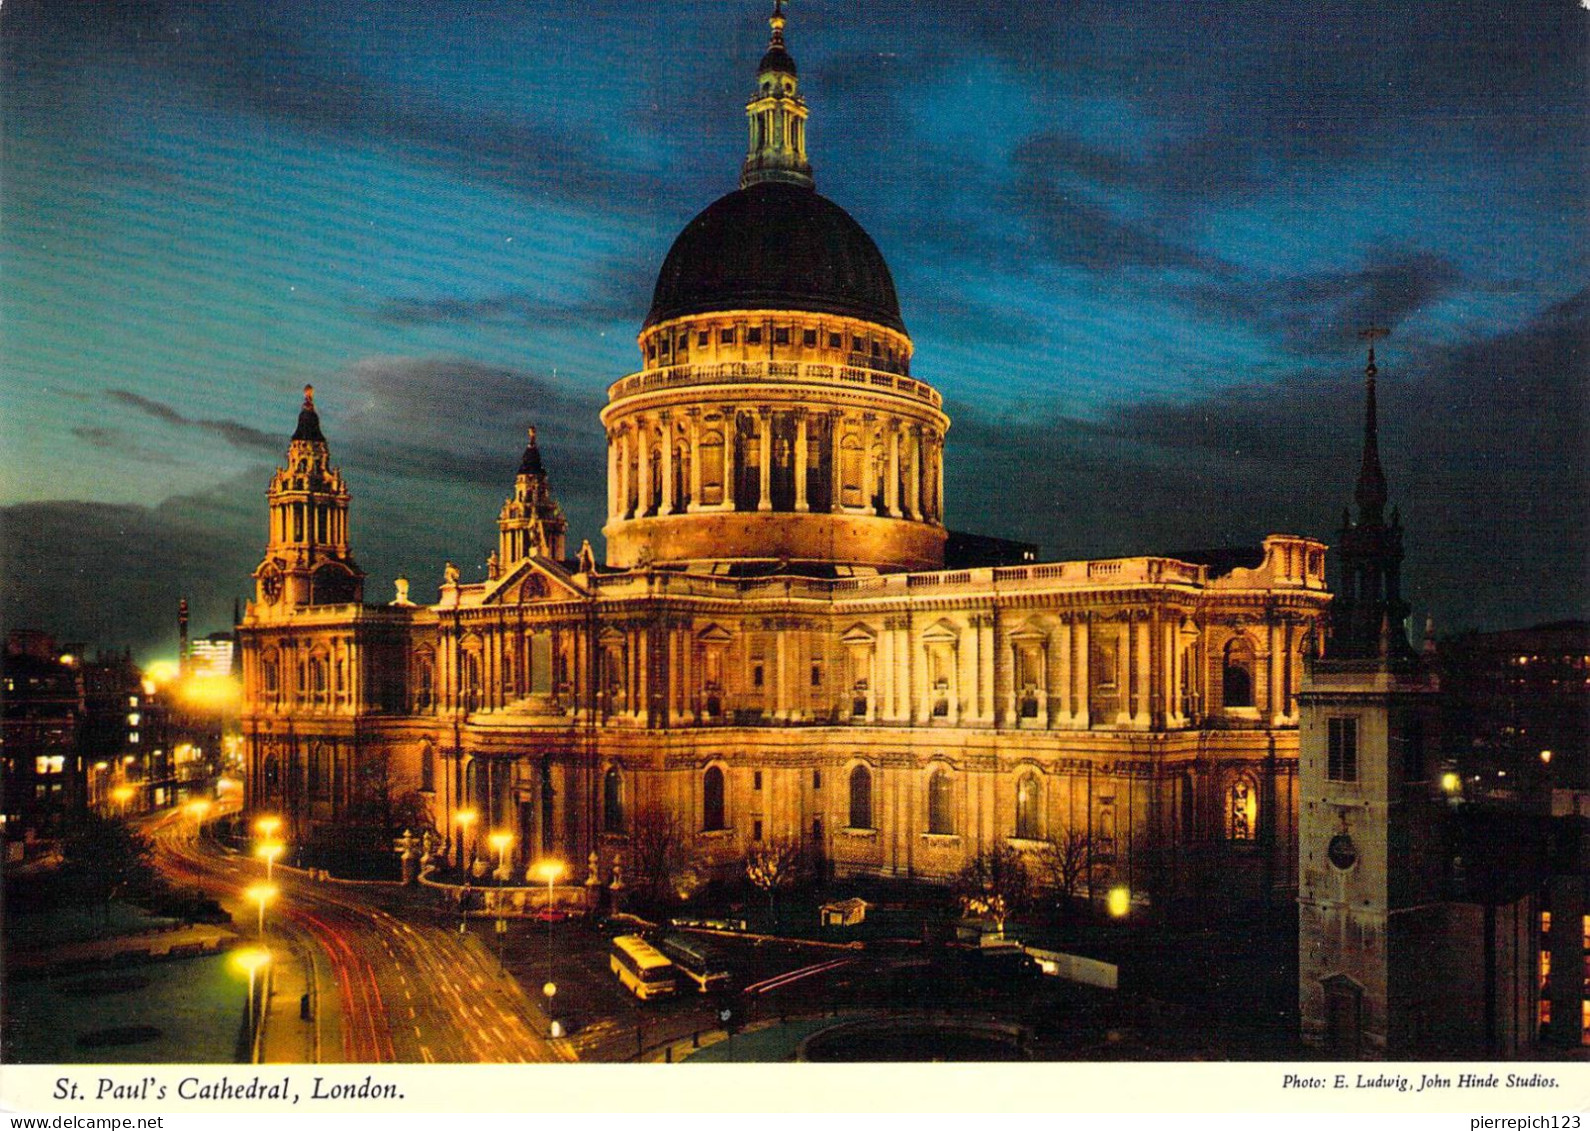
[941, 632]
[714, 634]
[859, 633]
[1029, 631]
[532, 580]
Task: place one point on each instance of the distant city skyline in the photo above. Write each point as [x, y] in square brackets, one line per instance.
[1133, 245]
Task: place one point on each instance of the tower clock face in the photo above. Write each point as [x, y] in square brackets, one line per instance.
[270, 585]
[1342, 851]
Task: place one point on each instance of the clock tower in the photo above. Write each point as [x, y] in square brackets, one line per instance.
[307, 559]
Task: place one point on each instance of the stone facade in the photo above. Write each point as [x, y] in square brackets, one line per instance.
[772, 649]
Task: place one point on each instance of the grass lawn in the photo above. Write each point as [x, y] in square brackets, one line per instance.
[196, 1005]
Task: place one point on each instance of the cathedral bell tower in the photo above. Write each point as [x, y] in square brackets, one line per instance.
[531, 524]
[307, 559]
[1369, 810]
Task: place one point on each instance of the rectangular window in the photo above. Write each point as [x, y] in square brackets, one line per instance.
[756, 830]
[726, 336]
[756, 676]
[781, 335]
[857, 345]
[704, 338]
[817, 779]
[809, 338]
[753, 336]
[684, 341]
[756, 779]
[817, 675]
[1342, 759]
[665, 347]
[651, 351]
[835, 341]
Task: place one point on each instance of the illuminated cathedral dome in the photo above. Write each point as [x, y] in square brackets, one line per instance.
[776, 246]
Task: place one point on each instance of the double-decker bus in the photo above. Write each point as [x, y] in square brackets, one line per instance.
[644, 970]
[699, 961]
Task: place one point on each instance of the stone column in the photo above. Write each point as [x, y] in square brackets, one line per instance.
[891, 486]
[1082, 675]
[966, 671]
[612, 475]
[731, 449]
[643, 499]
[1141, 666]
[765, 449]
[836, 481]
[1054, 680]
[1060, 645]
[1004, 674]
[902, 670]
[694, 418]
[986, 710]
[921, 692]
[801, 442]
[667, 505]
[883, 677]
[1272, 672]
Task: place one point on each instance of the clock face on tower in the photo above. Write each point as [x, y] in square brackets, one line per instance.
[270, 585]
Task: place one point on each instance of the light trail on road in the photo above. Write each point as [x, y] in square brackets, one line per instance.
[466, 1009]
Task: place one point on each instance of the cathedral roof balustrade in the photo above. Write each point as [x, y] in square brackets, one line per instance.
[778, 372]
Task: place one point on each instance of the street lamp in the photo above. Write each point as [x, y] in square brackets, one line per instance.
[268, 852]
[500, 842]
[121, 795]
[261, 894]
[198, 809]
[268, 826]
[251, 960]
[551, 869]
[464, 819]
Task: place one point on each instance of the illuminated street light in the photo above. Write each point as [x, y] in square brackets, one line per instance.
[121, 795]
[500, 842]
[465, 820]
[198, 809]
[1545, 757]
[551, 869]
[251, 960]
[1451, 782]
[261, 894]
[268, 851]
[268, 826]
[1119, 902]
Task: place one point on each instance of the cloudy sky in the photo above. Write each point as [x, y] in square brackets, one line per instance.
[1133, 243]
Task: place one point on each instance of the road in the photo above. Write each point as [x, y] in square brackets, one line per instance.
[401, 990]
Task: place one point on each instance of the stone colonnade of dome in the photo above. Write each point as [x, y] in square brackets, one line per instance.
[775, 435]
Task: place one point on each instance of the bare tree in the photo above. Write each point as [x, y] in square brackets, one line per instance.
[994, 883]
[1062, 864]
[772, 866]
[656, 849]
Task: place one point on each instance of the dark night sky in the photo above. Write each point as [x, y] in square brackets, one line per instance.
[1133, 243]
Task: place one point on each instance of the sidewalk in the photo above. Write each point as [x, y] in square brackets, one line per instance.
[288, 1036]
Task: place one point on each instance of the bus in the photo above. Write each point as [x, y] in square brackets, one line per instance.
[699, 961]
[643, 969]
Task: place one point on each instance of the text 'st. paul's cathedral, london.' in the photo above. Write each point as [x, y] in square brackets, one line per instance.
[778, 646]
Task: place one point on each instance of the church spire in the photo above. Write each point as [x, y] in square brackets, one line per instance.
[1371, 490]
[1368, 612]
[777, 117]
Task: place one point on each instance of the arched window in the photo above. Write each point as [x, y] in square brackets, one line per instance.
[940, 818]
[712, 800]
[1236, 683]
[1029, 795]
[612, 801]
[861, 798]
[1242, 810]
